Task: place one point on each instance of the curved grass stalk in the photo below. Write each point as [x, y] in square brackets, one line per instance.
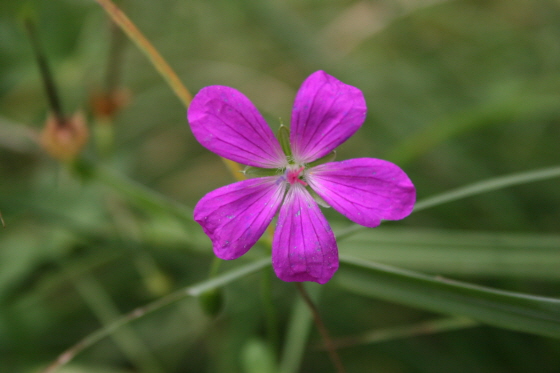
[160, 64]
[488, 186]
[191, 291]
[148, 49]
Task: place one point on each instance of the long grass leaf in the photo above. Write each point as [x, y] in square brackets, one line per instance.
[505, 309]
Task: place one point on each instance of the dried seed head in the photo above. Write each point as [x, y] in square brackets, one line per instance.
[107, 104]
[64, 139]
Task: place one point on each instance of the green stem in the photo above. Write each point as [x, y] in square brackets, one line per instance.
[214, 267]
[106, 312]
[114, 60]
[269, 309]
[487, 186]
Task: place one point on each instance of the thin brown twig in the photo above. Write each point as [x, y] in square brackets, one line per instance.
[322, 328]
[405, 331]
[159, 63]
[148, 49]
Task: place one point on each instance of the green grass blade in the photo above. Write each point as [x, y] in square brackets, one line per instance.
[487, 186]
[487, 254]
[509, 310]
[194, 290]
[469, 191]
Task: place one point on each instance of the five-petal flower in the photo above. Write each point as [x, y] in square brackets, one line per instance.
[326, 113]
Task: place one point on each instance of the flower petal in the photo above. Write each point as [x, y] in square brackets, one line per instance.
[304, 247]
[326, 113]
[235, 216]
[227, 123]
[365, 190]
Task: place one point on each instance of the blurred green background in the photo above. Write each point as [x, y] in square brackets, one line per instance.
[457, 92]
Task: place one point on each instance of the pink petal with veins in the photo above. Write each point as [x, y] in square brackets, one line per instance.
[225, 122]
[365, 190]
[304, 247]
[235, 216]
[326, 113]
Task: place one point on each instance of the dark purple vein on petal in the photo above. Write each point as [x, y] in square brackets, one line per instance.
[258, 215]
[241, 135]
[328, 130]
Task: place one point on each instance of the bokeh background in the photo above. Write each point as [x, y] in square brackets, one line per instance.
[458, 91]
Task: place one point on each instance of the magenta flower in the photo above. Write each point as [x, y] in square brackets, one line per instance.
[326, 113]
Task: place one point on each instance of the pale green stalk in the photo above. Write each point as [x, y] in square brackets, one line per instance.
[488, 186]
[193, 291]
[106, 311]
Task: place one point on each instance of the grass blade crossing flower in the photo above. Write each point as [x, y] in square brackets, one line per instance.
[326, 113]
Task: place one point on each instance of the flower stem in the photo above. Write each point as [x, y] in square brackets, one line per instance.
[46, 75]
[114, 60]
[126, 338]
[322, 329]
[269, 309]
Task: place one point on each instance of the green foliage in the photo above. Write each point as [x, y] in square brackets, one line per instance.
[463, 94]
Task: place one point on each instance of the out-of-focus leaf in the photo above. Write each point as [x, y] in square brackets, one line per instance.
[501, 111]
[505, 309]
[534, 256]
[141, 195]
[258, 358]
[17, 137]
[212, 302]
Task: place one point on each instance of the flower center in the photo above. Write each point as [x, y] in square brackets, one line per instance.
[294, 176]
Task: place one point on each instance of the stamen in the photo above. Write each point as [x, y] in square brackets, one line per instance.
[293, 176]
